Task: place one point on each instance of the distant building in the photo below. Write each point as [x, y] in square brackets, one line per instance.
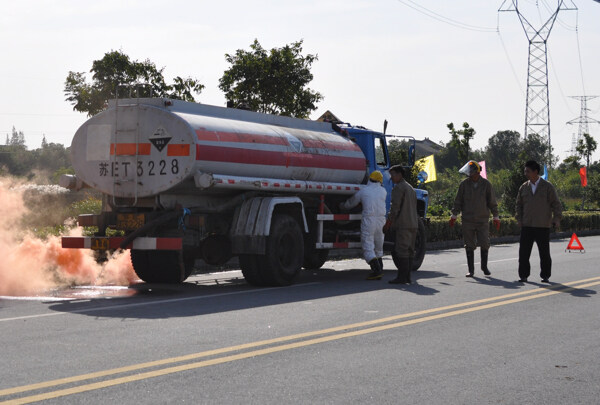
[328, 116]
[427, 147]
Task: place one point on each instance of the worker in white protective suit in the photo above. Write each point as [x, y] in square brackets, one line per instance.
[372, 197]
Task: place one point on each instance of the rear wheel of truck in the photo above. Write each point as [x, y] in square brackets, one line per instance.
[162, 266]
[250, 265]
[420, 247]
[314, 259]
[284, 252]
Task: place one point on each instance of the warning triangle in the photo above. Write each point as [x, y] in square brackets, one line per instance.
[574, 243]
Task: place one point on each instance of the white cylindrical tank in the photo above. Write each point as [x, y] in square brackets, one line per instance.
[145, 147]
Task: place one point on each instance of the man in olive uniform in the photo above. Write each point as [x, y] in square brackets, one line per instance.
[475, 199]
[404, 221]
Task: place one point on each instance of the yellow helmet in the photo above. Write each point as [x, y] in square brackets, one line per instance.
[376, 176]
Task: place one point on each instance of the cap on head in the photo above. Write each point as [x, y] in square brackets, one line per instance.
[376, 176]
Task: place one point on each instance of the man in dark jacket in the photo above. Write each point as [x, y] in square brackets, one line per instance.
[538, 208]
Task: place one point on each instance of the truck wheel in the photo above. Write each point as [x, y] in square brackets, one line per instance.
[314, 259]
[420, 247]
[251, 269]
[155, 266]
[284, 252]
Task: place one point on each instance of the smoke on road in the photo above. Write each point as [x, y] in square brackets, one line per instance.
[30, 265]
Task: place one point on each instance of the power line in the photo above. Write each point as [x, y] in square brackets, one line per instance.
[512, 67]
[436, 16]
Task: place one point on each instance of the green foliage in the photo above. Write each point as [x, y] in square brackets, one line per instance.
[89, 205]
[272, 82]
[461, 145]
[398, 152]
[439, 229]
[116, 69]
[42, 163]
[586, 146]
[503, 149]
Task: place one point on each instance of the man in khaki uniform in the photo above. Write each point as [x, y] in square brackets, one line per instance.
[475, 199]
[538, 208]
[403, 220]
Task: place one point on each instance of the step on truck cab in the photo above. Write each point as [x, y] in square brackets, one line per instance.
[185, 181]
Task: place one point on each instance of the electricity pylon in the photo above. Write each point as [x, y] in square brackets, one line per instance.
[583, 120]
[537, 106]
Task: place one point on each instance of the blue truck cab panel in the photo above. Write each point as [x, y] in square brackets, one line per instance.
[374, 146]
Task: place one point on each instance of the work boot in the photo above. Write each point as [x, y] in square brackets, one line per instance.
[376, 270]
[470, 263]
[380, 260]
[403, 276]
[484, 260]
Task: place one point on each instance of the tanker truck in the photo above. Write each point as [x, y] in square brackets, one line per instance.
[183, 181]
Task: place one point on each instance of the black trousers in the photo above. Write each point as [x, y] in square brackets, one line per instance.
[541, 236]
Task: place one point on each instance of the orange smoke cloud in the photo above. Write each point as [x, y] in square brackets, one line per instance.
[29, 265]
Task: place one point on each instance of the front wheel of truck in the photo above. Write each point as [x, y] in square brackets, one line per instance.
[420, 247]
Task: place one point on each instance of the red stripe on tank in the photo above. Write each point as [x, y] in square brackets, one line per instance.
[240, 137]
[270, 158]
[318, 144]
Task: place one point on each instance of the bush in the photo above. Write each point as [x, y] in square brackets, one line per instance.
[439, 228]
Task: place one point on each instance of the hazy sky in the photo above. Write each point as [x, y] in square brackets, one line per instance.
[378, 59]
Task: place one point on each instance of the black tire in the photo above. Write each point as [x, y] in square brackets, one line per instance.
[284, 252]
[420, 247]
[314, 259]
[161, 266]
[251, 269]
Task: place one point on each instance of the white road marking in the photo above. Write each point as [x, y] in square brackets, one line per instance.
[139, 304]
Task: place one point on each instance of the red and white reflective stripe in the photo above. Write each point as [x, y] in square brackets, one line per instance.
[339, 217]
[338, 245]
[256, 183]
[87, 242]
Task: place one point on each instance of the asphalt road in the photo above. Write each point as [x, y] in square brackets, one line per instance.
[331, 338]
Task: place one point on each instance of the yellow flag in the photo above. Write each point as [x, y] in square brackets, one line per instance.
[427, 164]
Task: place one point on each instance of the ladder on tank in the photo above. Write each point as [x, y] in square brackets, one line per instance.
[119, 149]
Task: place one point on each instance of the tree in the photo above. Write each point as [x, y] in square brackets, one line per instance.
[535, 147]
[462, 145]
[503, 149]
[585, 147]
[570, 162]
[17, 138]
[116, 69]
[272, 82]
